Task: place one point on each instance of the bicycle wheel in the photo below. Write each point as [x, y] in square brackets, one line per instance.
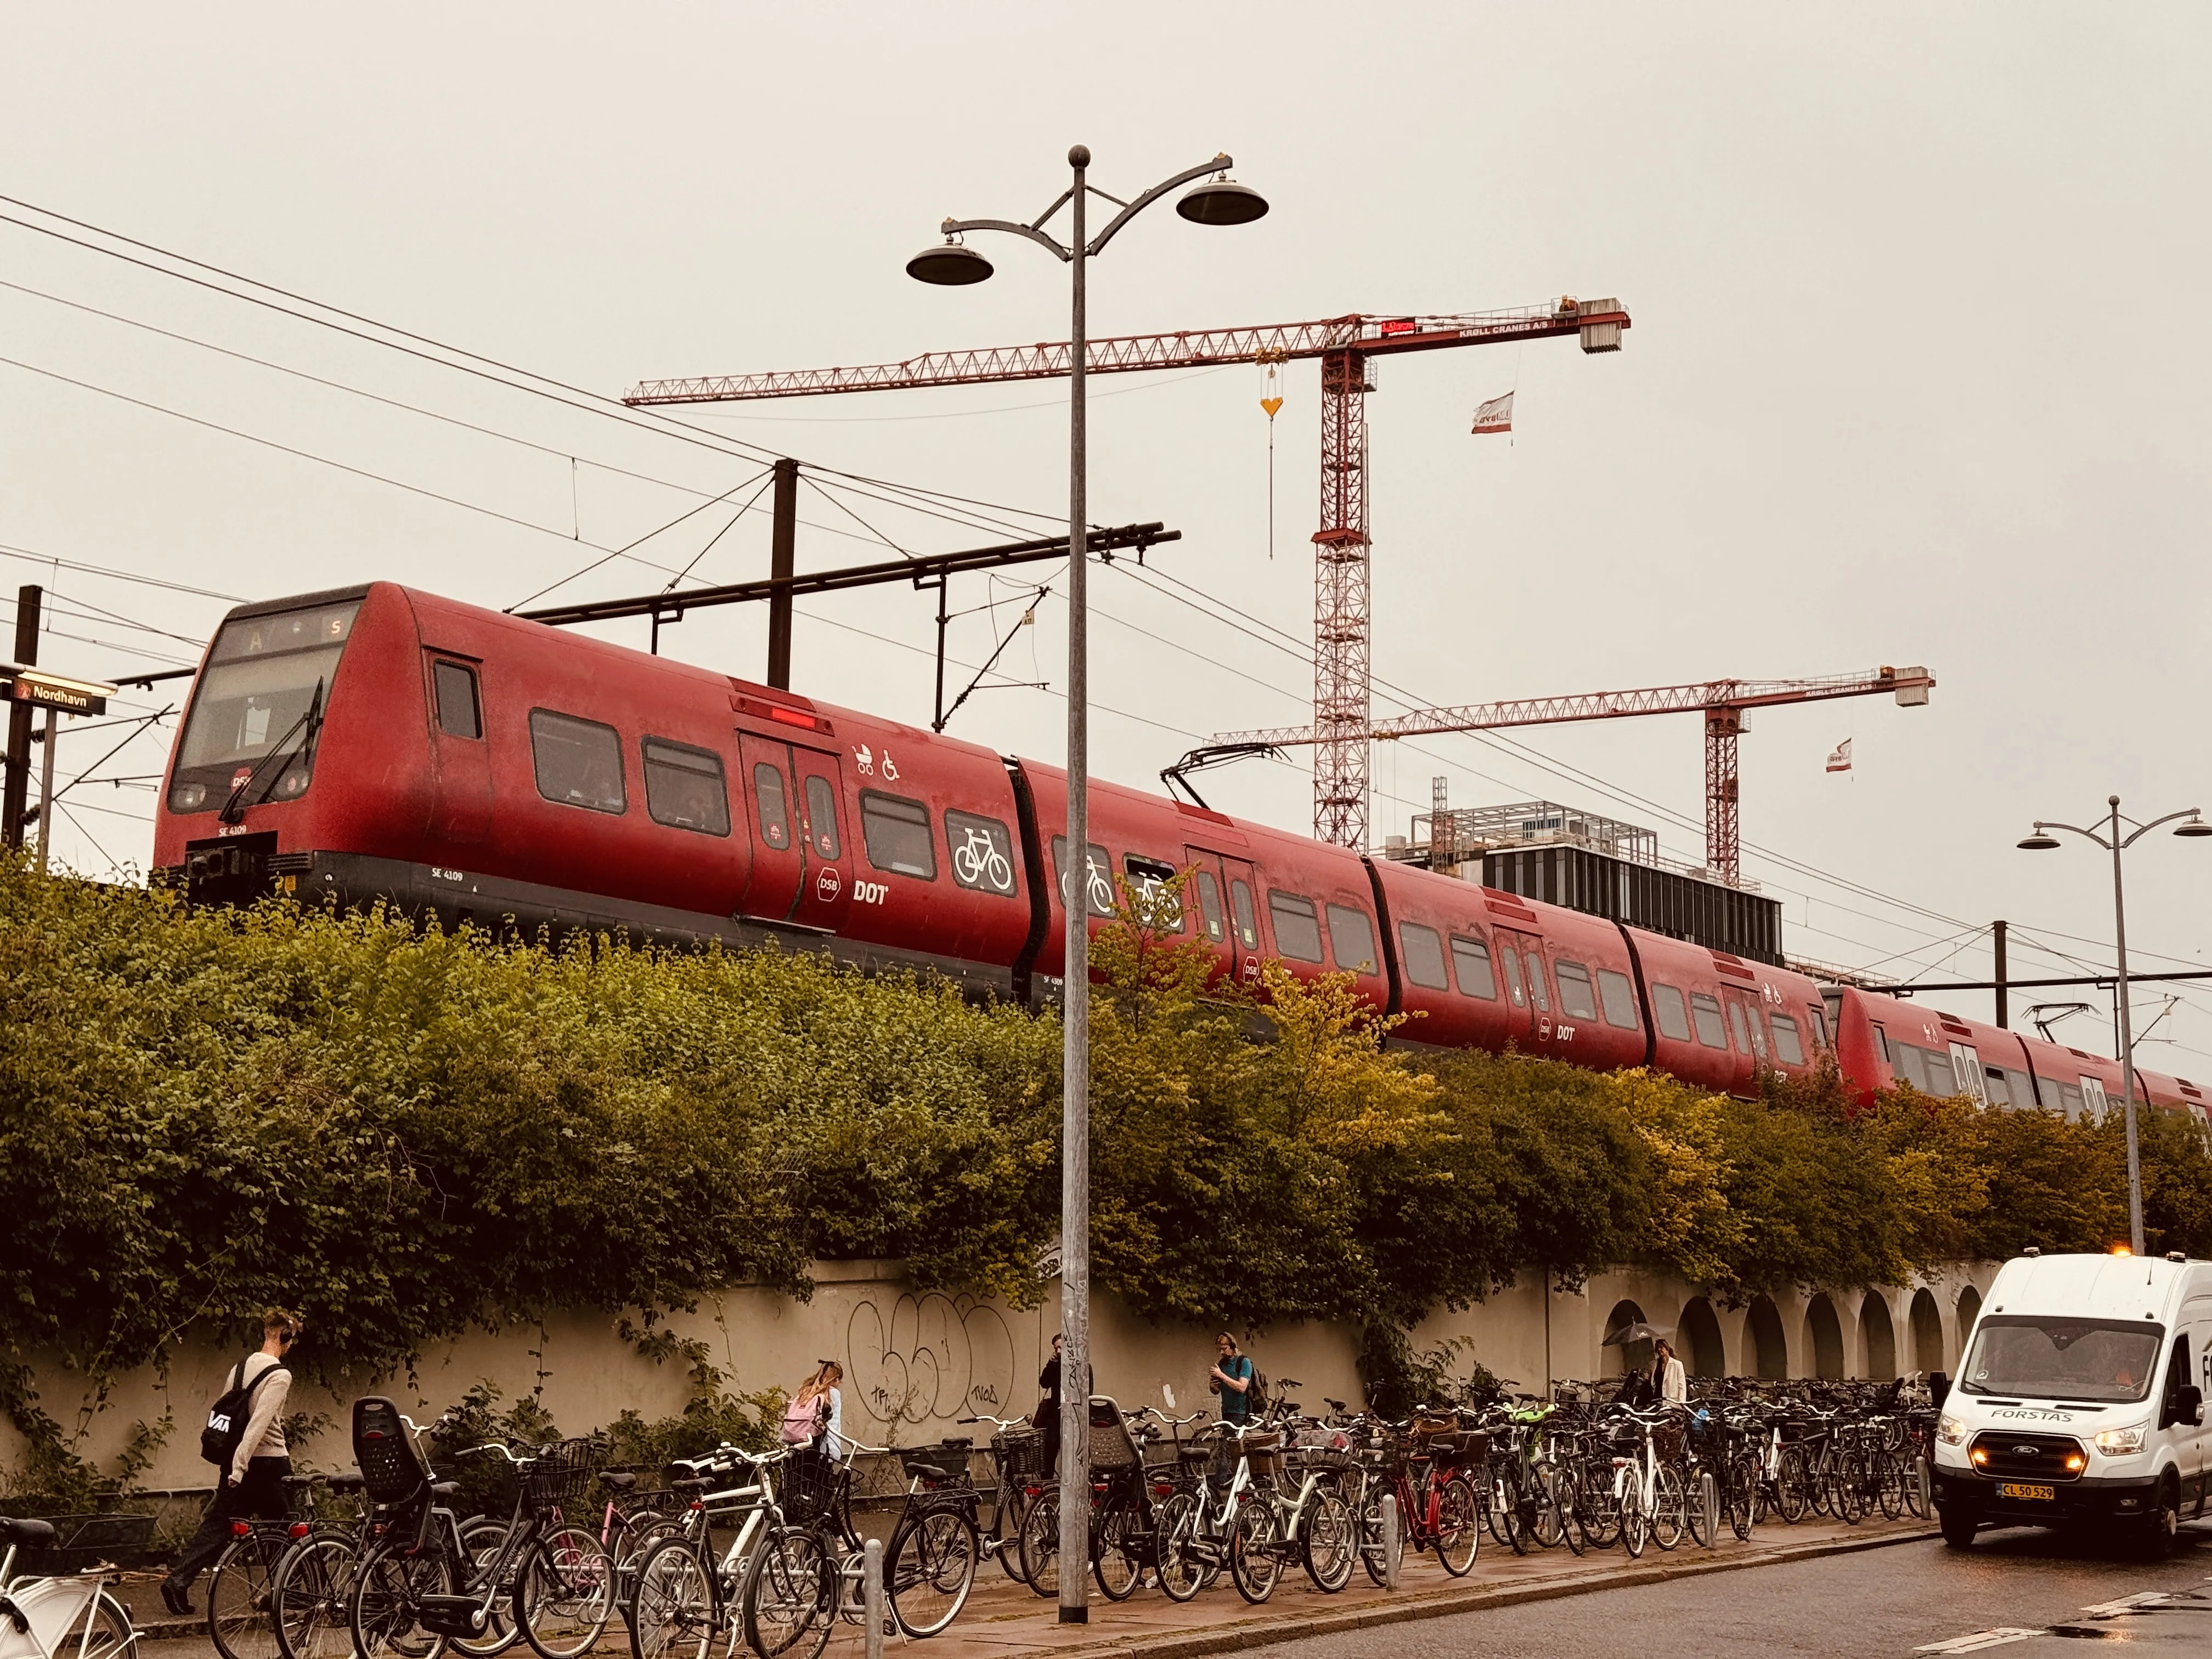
[672, 1614]
[238, 1618]
[307, 1596]
[482, 1541]
[1791, 1495]
[789, 1604]
[1008, 1536]
[1119, 1549]
[1889, 1483]
[1820, 1480]
[1510, 1514]
[1847, 1488]
[1671, 1508]
[1565, 1499]
[1176, 1526]
[382, 1614]
[1635, 1524]
[931, 1568]
[1745, 1496]
[1040, 1545]
[566, 1594]
[1328, 1542]
[1597, 1514]
[1459, 1527]
[1256, 1559]
[103, 1633]
[1369, 1520]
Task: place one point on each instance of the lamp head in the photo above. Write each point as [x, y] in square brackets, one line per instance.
[952, 265]
[2194, 827]
[1221, 200]
[2039, 842]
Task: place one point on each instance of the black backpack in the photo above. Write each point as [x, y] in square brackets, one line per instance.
[1257, 1399]
[226, 1421]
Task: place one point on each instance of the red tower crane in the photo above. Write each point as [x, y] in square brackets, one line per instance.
[1342, 705]
[1722, 703]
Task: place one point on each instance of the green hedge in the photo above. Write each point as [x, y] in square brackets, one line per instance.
[405, 1134]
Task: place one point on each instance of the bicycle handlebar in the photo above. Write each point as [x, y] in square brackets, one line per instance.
[1002, 1423]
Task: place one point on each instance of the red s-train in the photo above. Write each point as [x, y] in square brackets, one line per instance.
[379, 742]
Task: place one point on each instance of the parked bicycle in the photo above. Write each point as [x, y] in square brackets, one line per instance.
[61, 1615]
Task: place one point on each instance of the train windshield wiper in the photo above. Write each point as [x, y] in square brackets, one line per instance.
[311, 717]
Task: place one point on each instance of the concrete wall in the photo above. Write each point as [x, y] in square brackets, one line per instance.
[916, 1361]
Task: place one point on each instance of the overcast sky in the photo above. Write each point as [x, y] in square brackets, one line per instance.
[1916, 376]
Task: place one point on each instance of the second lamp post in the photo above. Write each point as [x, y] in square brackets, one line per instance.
[1219, 201]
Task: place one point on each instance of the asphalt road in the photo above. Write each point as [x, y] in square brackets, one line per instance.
[1883, 1602]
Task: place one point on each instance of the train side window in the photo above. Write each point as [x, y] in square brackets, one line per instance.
[1536, 983]
[1619, 997]
[769, 801]
[2069, 1102]
[1742, 1036]
[1882, 1045]
[1153, 905]
[1943, 1080]
[2020, 1087]
[897, 831]
[1575, 999]
[1671, 1012]
[1471, 957]
[1510, 960]
[1422, 950]
[578, 763]
[1713, 1030]
[458, 714]
[1786, 1041]
[1098, 875]
[821, 816]
[1297, 926]
[1820, 1025]
[1994, 1085]
[1247, 918]
[1904, 1066]
[982, 853]
[1209, 906]
[683, 788]
[1352, 936]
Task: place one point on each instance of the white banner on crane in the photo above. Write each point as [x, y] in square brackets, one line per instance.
[1840, 759]
[1496, 416]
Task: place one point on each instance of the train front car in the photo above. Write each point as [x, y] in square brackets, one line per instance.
[304, 732]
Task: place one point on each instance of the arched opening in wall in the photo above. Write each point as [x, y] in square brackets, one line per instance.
[1927, 1332]
[1770, 1352]
[1622, 1359]
[1823, 1336]
[1878, 1333]
[1698, 1340]
[1969, 1309]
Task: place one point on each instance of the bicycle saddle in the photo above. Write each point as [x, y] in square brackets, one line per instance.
[617, 1480]
[28, 1534]
[444, 1488]
[346, 1483]
[300, 1479]
[690, 1483]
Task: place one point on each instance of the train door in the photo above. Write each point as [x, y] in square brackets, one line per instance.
[1748, 1024]
[461, 814]
[1207, 897]
[799, 863]
[1243, 918]
[1521, 962]
[1966, 1069]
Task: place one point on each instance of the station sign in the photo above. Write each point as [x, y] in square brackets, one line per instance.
[43, 689]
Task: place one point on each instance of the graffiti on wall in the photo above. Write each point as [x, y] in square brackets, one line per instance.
[931, 1357]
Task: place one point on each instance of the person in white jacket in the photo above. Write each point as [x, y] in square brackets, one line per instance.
[1668, 1380]
[253, 1483]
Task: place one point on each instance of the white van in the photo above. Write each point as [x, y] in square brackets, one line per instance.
[2081, 1400]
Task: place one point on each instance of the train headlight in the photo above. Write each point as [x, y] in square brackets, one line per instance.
[189, 796]
[292, 784]
[1951, 1431]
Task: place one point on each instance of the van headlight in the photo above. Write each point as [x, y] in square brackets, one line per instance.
[2118, 1443]
[1951, 1431]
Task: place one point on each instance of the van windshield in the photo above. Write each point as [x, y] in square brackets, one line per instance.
[2094, 1360]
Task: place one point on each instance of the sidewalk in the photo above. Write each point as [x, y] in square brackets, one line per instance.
[1006, 1620]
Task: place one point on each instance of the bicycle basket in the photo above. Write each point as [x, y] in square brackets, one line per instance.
[810, 1486]
[1670, 1440]
[563, 1473]
[1020, 1454]
[82, 1543]
[1263, 1455]
[390, 1463]
[944, 1464]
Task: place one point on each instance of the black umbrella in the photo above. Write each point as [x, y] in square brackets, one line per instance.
[1638, 1332]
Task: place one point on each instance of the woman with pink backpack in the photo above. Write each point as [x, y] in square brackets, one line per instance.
[814, 1419]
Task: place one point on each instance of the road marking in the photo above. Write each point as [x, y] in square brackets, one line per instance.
[2128, 1604]
[1982, 1638]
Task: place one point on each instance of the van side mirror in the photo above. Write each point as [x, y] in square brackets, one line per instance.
[2189, 1408]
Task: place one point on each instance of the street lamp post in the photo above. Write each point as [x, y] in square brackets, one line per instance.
[2113, 841]
[1219, 201]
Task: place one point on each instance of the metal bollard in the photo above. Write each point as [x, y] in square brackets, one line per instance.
[1390, 1544]
[871, 1598]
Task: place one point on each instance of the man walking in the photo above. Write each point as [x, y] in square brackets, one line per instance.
[251, 1482]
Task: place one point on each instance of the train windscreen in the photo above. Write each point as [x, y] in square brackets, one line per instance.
[257, 709]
